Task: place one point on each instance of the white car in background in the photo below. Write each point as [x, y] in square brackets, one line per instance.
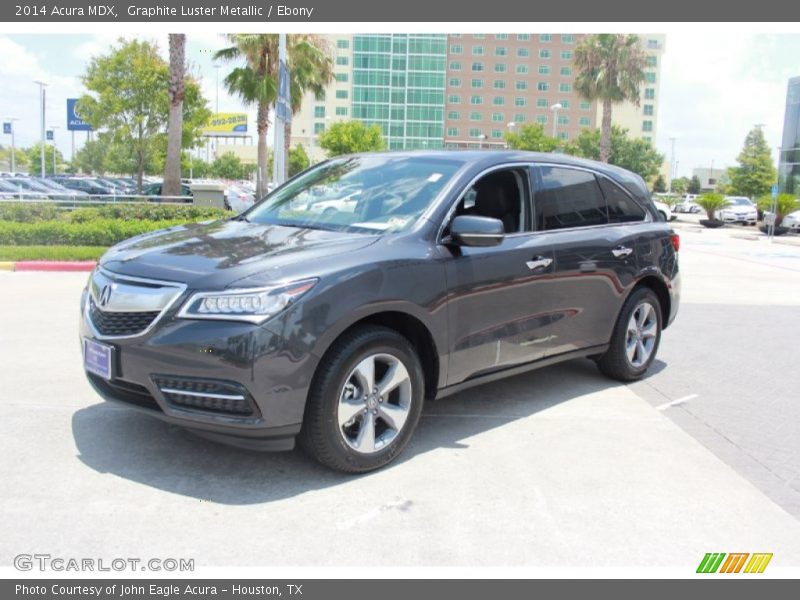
[740, 209]
[664, 210]
[335, 200]
[792, 221]
[239, 198]
[688, 205]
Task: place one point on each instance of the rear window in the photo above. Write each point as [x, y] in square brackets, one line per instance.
[569, 198]
[621, 207]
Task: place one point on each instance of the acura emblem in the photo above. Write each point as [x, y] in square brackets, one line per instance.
[105, 295]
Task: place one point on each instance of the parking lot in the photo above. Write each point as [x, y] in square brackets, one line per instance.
[559, 467]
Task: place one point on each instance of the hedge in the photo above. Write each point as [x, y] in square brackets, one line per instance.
[51, 252]
[30, 212]
[99, 232]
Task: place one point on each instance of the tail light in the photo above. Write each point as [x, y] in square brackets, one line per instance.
[676, 241]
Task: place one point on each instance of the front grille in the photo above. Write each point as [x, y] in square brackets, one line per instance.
[125, 391]
[208, 395]
[120, 323]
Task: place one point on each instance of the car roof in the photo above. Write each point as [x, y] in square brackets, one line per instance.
[490, 158]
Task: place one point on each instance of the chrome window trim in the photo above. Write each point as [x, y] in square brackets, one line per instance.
[180, 287]
[530, 165]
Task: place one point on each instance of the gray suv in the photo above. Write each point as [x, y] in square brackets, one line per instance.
[427, 273]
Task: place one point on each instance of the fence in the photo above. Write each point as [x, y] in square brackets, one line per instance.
[69, 201]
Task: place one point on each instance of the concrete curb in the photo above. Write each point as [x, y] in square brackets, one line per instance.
[48, 265]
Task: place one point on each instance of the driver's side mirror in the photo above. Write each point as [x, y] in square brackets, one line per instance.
[470, 230]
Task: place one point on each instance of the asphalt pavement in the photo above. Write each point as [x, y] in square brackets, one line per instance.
[559, 467]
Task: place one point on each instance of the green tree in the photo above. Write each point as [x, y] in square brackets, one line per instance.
[531, 137]
[659, 185]
[310, 71]
[33, 158]
[91, 158]
[128, 96]
[348, 137]
[679, 185]
[633, 154]
[610, 69]
[20, 159]
[256, 84]
[756, 173]
[176, 93]
[298, 160]
[694, 185]
[198, 168]
[228, 166]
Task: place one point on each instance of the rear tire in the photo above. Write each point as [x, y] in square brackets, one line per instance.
[350, 427]
[635, 339]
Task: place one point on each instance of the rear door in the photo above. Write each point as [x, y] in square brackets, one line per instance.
[595, 250]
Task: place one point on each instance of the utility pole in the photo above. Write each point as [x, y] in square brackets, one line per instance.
[283, 113]
[53, 130]
[671, 166]
[10, 121]
[42, 85]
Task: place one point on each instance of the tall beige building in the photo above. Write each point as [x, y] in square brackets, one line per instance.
[465, 91]
[314, 114]
[642, 121]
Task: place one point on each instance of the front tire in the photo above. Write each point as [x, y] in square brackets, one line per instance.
[365, 401]
[635, 339]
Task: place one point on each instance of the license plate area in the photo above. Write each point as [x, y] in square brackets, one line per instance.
[98, 358]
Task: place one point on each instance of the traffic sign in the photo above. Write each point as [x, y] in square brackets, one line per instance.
[7, 128]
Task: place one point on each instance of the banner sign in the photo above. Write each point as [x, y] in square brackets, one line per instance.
[7, 128]
[74, 121]
[283, 109]
[226, 124]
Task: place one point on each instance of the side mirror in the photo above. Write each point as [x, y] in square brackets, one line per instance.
[467, 230]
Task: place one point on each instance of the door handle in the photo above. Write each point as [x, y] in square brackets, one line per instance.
[622, 252]
[539, 262]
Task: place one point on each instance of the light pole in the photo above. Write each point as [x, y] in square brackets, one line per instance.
[216, 68]
[10, 121]
[41, 85]
[510, 125]
[671, 165]
[53, 129]
[481, 137]
[555, 108]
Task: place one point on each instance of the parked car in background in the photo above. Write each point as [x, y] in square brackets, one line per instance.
[155, 189]
[29, 188]
[284, 323]
[688, 205]
[90, 185]
[238, 199]
[792, 221]
[664, 211]
[740, 209]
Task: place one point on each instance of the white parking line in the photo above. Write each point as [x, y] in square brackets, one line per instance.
[667, 405]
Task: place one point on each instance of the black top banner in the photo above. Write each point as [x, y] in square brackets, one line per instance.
[355, 11]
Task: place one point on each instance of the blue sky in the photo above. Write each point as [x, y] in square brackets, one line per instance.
[714, 86]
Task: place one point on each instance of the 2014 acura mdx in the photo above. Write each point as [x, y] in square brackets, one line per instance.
[436, 271]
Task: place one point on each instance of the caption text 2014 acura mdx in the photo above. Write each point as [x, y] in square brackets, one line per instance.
[333, 308]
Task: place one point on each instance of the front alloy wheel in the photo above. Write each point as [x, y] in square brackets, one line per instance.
[365, 401]
[641, 335]
[374, 403]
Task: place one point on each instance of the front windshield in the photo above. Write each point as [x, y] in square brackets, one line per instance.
[741, 202]
[382, 192]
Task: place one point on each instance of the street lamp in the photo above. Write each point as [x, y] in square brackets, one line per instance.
[511, 125]
[10, 121]
[41, 85]
[481, 137]
[216, 68]
[555, 108]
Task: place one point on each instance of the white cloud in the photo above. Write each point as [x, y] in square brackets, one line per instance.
[715, 88]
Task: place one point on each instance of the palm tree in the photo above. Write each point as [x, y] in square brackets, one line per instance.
[610, 69]
[255, 83]
[310, 70]
[177, 90]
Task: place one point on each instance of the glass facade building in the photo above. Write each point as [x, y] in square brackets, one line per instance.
[789, 168]
[399, 83]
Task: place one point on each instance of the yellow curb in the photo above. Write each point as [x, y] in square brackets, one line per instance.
[6, 266]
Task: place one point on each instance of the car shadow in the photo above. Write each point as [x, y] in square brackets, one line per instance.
[126, 443]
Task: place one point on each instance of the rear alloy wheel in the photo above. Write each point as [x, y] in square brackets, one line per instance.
[635, 339]
[365, 401]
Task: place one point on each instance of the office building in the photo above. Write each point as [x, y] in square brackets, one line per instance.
[789, 166]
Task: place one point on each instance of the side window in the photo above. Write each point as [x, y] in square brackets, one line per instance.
[501, 195]
[568, 198]
[621, 207]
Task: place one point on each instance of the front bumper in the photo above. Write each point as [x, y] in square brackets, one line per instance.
[232, 359]
[749, 218]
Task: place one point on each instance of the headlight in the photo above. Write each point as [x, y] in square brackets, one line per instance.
[254, 305]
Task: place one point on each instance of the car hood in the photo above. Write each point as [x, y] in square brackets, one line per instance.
[215, 255]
